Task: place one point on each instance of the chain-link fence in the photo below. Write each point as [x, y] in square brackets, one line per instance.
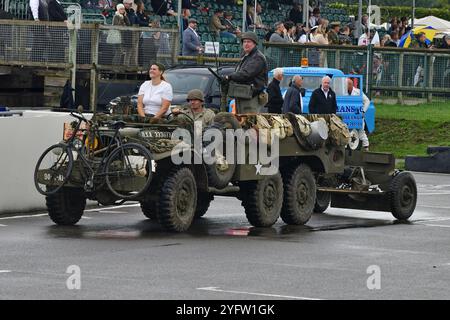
[403, 76]
[107, 47]
[28, 41]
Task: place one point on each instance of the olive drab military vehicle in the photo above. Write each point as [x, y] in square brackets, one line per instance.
[300, 164]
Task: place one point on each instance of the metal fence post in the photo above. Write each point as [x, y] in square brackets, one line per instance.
[430, 77]
[175, 49]
[369, 71]
[73, 33]
[95, 36]
[337, 59]
[400, 77]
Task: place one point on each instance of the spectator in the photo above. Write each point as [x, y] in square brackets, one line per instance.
[296, 14]
[149, 44]
[191, 40]
[228, 23]
[280, 34]
[314, 19]
[290, 31]
[404, 28]
[121, 48]
[364, 39]
[309, 35]
[130, 12]
[186, 8]
[216, 25]
[196, 110]
[142, 19]
[252, 20]
[155, 95]
[352, 91]
[344, 36]
[105, 4]
[56, 11]
[420, 41]
[323, 99]
[163, 7]
[39, 10]
[393, 40]
[446, 42]
[293, 99]
[275, 102]
[333, 36]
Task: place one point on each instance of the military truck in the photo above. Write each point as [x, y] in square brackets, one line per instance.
[314, 169]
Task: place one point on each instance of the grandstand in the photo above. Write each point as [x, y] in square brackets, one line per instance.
[229, 48]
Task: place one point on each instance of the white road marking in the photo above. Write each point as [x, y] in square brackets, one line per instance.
[3, 225]
[89, 210]
[5, 271]
[434, 194]
[115, 207]
[86, 218]
[434, 207]
[25, 216]
[111, 211]
[216, 289]
[435, 225]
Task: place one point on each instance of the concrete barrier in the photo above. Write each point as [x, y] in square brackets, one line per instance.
[22, 141]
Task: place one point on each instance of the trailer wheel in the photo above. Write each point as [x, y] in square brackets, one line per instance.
[66, 206]
[203, 201]
[178, 200]
[403, 195]
[299, 195]
[262, 200]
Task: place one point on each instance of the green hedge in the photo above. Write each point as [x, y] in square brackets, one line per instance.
[388, 12]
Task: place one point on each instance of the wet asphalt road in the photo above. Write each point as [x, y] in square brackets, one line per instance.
[123, 256]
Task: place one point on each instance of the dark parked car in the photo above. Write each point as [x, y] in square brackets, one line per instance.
[183, 79]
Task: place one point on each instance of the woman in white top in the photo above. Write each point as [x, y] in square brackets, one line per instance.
[155, 95]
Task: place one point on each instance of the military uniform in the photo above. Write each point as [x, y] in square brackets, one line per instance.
[206, 116]
[333, 37]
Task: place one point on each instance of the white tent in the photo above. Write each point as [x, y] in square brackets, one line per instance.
[435, 22]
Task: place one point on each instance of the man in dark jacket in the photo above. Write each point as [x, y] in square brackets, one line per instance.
[296, 14]
[252, 71]
[293, 100]
[56, 11]
[323, 99]
[273, 90]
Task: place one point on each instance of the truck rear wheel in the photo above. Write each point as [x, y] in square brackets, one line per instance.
[299, 195]
[263, 200]
[323, 199]
[178, 200]
[403, 195]
[66, 206]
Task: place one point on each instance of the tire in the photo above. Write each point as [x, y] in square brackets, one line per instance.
[217, 176]
[150, 210]
[66, 206]
[403, 195]
[149, 206]
[299, 195]
[323, 199]
[57, 161]
[262, 200]
[119, 171]
[178, 200]
[203, 202]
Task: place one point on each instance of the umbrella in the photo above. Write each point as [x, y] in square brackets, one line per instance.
[406, 39]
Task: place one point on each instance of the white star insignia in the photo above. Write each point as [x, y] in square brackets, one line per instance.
[258, 168]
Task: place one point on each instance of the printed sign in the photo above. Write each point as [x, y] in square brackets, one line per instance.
[212, 48]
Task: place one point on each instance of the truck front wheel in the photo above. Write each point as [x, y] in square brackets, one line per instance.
[178, 200]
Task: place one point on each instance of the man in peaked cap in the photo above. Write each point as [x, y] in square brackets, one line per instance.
[252, 71]
[196, 110]
[333, 34]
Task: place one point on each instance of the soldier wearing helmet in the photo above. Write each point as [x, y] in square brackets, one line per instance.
[252, 71]
[195, 109]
